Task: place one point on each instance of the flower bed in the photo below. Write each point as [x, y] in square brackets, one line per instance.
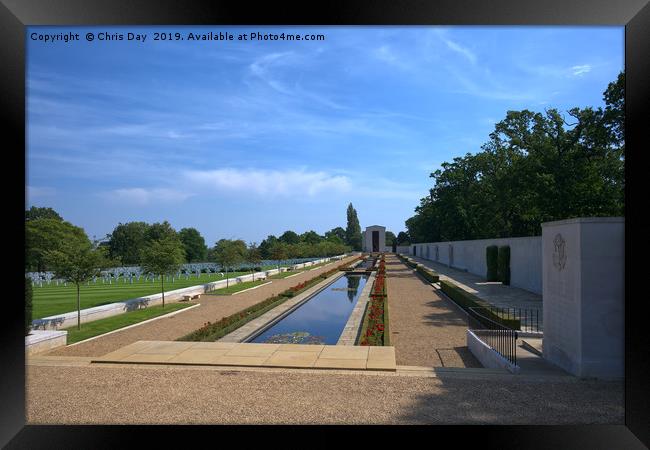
[375, 330]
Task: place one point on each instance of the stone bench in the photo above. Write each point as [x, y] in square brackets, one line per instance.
[187, 298]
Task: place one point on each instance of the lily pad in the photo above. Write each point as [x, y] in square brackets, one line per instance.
[297, 337]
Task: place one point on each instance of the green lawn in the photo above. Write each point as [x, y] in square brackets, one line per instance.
[53, 299]
[102, 326]
[237, 287]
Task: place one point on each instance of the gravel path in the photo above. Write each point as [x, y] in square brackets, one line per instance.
[142, 395]
[425, 329]
[212, 309]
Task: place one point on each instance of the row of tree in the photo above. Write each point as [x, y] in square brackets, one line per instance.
[46, 231]
[536, 167]
[57, 245]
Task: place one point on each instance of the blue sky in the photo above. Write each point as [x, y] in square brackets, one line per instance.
[243, 139]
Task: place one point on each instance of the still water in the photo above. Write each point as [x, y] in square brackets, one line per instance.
[321, 319]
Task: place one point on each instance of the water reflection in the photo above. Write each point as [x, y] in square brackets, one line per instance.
[353, 287]
[321, 319]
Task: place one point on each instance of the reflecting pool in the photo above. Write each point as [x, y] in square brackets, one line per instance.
[322, 318]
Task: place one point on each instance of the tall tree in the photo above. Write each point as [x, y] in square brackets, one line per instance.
[36, 212]
[127, 241]
[289, 237]
[47, 234]
[266, 245]
[162, 257]
[336, 233]
[160, 231]
[228, 253]
[194, 244]
[403, 238]
[253, 257]
[278, 252]
[353, 230]
[536, 167]
[311, 237]
[76, 262]
[390, 238]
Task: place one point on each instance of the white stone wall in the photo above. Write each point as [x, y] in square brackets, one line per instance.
[525, 258]
[584, 295]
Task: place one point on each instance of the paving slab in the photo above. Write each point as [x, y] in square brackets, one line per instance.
[344, 352]
[292, 359]
[340, 363]
[298, 356]
[253, 350]
[199, 356]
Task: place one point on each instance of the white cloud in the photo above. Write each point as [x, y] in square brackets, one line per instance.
[471, 57]
[581, 70]
[141, 196]
[270, 182]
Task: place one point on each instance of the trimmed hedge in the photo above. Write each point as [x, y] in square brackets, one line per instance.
[428, 274]
[504, 264]
[491, 256]
[466, 300]
[28, 305]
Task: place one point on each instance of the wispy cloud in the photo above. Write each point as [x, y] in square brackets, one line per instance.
[581, 70]
[144, 196]
[456, 47]
[270, 182]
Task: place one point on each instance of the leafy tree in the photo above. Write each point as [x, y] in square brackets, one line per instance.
[311, 237]
[162, 257]
[278, 252]
[535, 167]
[336, 235]
[390, 237]
[127, 241]
[194, 244]
[160, 231]
[76, 262]
[289, 237]
[353, 230]
[266, 245]
[36, 212]
[253, 257]
[403, 238]
[228, 253]
[46, 234]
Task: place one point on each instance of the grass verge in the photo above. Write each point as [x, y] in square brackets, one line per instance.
[236, 288]
[92, 329]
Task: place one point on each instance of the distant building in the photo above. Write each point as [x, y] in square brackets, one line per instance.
[374, 239]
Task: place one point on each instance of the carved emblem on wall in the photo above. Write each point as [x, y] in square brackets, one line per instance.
[559, 253]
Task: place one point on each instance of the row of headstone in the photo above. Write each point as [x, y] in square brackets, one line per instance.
[130, 273]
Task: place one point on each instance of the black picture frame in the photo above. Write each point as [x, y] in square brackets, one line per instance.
[15, 15]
